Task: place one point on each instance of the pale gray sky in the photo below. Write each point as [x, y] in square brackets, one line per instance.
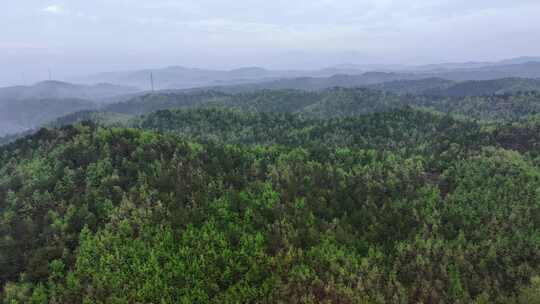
[86, 36]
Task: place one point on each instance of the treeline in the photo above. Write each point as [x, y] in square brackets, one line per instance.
[503, 99]
[409, 131]
[340, 102]
[439, 87]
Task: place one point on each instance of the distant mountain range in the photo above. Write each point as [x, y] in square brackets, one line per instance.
[26, 107]
[58, 89]
[320, 83]
[177, 77]
[401, 83]
[439, 66]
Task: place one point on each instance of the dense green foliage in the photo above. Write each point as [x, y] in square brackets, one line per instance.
[407, 131]
[99, 117]
[339, 102]
[220, 205]
[332, 102]
[506, 107]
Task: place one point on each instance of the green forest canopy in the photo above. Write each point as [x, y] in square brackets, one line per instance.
[277, 197]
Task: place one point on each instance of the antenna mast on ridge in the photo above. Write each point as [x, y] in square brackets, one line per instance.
[50, 75]
[152, 80]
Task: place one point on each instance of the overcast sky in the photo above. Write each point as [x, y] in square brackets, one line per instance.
[85, 36]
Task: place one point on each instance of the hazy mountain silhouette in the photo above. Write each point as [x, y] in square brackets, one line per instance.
[59, 89]
[178, 77]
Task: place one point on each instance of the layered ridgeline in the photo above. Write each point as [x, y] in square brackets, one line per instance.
[339, 102]
[330, 103]
[400, 83]
[447, 88]
[176, 77]
[25, 108]
[408, 131]
[218, 205]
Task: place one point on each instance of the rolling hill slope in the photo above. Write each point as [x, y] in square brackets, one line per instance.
[240, 205]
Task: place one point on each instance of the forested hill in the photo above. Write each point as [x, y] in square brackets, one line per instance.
[446, 88]
[408, 130]
[399, 83]
[219, 205]
[404, 129]
[339, 102]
